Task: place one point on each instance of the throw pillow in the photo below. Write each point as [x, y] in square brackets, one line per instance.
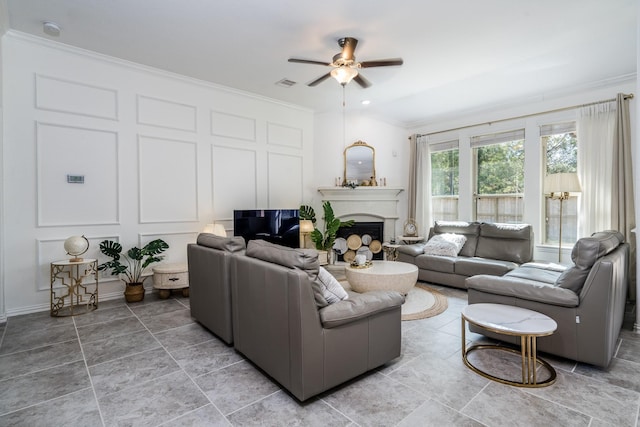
[332, 290]
[446, 244]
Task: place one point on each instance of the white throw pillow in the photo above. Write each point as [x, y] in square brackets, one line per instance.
[446, 244]
[332, 290]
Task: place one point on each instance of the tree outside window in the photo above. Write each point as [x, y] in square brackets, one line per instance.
[561, 155]
[444, 185]
[500, 181]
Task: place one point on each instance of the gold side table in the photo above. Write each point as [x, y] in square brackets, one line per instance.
[69, 295]
[520, 322]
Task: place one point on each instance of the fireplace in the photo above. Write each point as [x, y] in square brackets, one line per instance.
[374, 210]
[368, 242]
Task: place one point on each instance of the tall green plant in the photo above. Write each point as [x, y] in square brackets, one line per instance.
[324, 241]
[135, 260]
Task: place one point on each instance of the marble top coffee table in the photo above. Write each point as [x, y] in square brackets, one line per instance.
[383, 275]
[514, 321]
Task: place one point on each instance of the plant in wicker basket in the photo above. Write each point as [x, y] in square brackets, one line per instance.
[130, 266]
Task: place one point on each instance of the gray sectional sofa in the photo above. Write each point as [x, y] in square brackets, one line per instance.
[490, 248]
[209, 262]
[587, 300]
[267, 302]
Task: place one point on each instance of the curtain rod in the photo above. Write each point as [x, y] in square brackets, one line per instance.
[626, 96]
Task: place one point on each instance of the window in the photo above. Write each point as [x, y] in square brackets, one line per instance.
[560, 145]
[444, 180]
[499, 176]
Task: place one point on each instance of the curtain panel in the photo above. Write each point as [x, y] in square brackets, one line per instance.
[605, 173]
[420, 183]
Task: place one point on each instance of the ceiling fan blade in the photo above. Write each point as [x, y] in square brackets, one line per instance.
[307, 61]
[348, 45]
[362, 81]
[381, 63]
[319, 80]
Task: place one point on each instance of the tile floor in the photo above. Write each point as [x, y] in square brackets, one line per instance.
[149, 364]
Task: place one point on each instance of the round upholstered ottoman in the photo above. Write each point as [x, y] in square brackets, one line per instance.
[167, 277]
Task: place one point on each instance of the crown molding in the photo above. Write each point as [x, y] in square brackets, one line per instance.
[40, 41]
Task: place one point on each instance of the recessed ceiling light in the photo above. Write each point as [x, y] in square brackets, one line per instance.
[366, 102]
[51, 28]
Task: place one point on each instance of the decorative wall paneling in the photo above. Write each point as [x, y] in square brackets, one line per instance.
[75, 97]
[91, 153]
[233, 126]
[234, 181]
[166, 114]
[167, 177]
[284, 135]
[285, 180]
[162, 155]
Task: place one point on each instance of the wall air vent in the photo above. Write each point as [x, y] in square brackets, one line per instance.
[285, 83]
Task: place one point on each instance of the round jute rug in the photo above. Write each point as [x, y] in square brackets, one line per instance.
[423, 302]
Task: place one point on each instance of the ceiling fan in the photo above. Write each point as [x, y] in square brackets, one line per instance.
[345, 67]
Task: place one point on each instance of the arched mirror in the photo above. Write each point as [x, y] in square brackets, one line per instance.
[360, 164]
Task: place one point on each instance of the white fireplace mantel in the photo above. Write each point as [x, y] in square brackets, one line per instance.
[365, 204]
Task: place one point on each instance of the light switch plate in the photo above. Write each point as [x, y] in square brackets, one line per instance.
[75, 179]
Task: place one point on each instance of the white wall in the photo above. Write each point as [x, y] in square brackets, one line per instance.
[161, 156]
[390, 142]
[492, 119]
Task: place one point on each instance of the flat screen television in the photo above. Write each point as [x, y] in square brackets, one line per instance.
[279, 226]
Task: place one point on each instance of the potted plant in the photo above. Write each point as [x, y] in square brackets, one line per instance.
[324, 241]
[130, 266]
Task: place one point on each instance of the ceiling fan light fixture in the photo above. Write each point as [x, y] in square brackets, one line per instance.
[344, 74]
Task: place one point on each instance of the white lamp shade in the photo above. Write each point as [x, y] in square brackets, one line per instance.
[306, 226]
[217, 229]
[562, 183]
[344, 74]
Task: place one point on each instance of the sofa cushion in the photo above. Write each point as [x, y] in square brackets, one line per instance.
[332, 290]
[588, 249]
[228, 244]
[585, 253]
[471, 231]
[471, 266]
[445, 244]
[412, 250]
[359, 306]
[525, 289]
[510, 242]
[443, 264]
[545, 273]
[301, 259]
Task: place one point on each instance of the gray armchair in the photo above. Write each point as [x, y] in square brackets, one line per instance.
[210, 281]
[281, 325]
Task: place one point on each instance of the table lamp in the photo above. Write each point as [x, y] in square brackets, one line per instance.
[306, 228]
[217, 229]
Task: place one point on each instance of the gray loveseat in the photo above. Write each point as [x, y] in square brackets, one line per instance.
[587, 300]
[490, 248]
[285, 328]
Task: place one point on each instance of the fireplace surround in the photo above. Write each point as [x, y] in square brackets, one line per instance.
[365, 204]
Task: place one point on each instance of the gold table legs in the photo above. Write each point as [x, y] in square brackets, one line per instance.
[528, 352]
[73, 296]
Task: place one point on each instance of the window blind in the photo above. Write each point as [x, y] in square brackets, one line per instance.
[556, 128]
[496, 138]
[443, 146]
